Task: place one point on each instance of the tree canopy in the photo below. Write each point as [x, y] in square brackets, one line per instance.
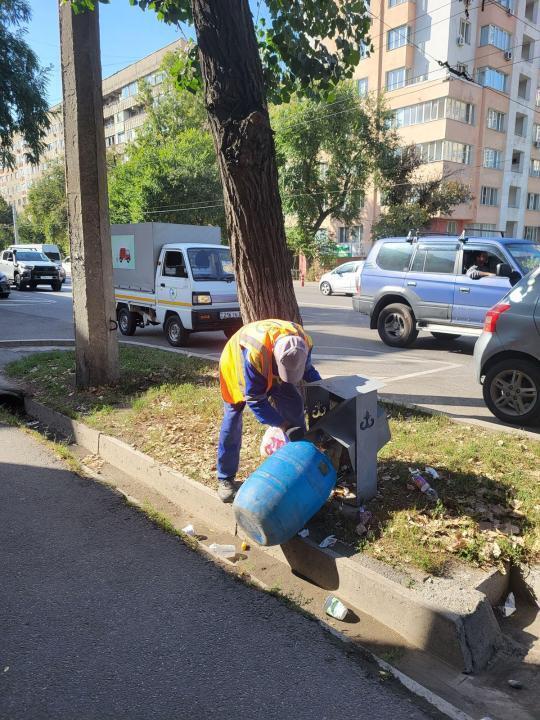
[6, 224]
[44, 219]
[326, 154]
[23, 106]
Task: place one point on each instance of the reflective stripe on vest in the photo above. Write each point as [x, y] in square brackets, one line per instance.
[258, 338]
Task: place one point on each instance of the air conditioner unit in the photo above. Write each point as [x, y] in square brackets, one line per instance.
[507, 54]
[460, 40]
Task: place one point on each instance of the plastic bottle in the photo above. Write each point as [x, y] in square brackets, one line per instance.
[335, 608]
[423, 485]
[223, 551]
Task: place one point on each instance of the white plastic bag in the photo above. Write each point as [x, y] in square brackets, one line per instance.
[273, 439]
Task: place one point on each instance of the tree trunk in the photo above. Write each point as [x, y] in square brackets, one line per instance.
[96, 344]
[236, 103]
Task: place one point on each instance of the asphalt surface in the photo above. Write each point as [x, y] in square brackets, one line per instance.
[433, 374]
[103, 615]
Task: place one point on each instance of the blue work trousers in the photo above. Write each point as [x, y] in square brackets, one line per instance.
[290, 406]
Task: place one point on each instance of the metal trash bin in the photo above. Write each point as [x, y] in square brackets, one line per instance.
[345, 408]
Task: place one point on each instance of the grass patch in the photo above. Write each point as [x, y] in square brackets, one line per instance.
[169, 406]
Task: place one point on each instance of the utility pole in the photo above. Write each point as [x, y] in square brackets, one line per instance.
[96, 343]
[15, 226]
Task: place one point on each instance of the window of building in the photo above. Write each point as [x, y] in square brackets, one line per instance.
[398, 37]
[396, 79]
[514, 196]
[496, 120]
[517, 161]
[362, 86]
[493, 158]
[489, 195]
[364, 50]
[395, 256]
[533, 201]
[496, 36]
[532, 232]
[120, 138]
[534, 168]
[527, 49]
[531, 7]
[438, 150]
[524, 87]
[465, 30]
[490, 77]
[511, 228]
[129, 90]
[434, 110]
[459, 110]
[462, 68]
[507, 4]
[520, 126]
[109, 141]
[440, 259]
[536, 133]
[393, 3]
[451, 227]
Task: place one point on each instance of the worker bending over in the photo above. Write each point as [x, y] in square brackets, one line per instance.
[263, 360]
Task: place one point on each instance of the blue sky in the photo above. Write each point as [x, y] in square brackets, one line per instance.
[127, 34]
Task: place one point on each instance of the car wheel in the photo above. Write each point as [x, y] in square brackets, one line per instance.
[33, 286]
[326, 288]
[19, 284]
[127, 321]
[512, 391]
[444, 336]
[397, 326]
[56, 286]
[175, 332]
[4, 295]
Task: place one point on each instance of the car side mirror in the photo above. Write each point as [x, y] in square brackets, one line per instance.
[505, 270]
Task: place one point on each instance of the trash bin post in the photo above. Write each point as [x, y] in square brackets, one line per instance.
[367, 445]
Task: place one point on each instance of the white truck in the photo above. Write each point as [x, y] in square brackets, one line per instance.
[179, 276]
[25, 267]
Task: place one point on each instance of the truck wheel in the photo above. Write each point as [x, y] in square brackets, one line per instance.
[175, 332]
[127, 321]
[56, 286]
[512, 391]
[19, 284]
[397, 326]
[229, 332]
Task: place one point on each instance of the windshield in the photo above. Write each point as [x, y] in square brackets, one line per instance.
[54, 256]
[211, 263]
[527, 255]
[33, 255]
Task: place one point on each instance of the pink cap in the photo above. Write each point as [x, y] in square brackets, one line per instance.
[291, 354]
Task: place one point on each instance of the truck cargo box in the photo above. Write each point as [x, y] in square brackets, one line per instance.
[136, 247]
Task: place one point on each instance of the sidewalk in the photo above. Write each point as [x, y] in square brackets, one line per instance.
[106, 616]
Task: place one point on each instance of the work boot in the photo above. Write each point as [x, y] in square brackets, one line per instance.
[226, 491]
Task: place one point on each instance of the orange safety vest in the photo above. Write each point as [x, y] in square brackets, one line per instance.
[259, 339]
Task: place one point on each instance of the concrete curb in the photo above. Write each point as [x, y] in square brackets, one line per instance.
[462, 631]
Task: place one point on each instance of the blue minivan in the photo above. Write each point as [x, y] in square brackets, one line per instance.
[425, 283]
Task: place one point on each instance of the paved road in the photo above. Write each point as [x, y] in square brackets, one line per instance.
[104, 616]
[432, 374]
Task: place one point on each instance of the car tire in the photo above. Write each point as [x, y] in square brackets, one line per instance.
[175, 332]
[444, 336]
[4, 295]
[19, 284]
[396, 325]
[325, 288]
[512, 391]
[127, 321]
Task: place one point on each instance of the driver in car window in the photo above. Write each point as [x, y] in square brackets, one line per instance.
[481, 266]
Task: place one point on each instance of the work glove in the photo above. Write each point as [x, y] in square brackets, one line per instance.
[295, 433]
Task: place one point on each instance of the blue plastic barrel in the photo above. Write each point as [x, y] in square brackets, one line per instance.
[278, 499]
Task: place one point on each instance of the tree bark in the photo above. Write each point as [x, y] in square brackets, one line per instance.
[96, 344]
[235, 99]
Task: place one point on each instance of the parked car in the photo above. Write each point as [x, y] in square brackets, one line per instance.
[49, 250]
[4, 286]
[66, 264]
[507, 354]
[412, 284]
[29, 268]
[341, 279]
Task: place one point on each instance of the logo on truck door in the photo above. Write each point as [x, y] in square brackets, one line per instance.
[172, 293]
[123, 251]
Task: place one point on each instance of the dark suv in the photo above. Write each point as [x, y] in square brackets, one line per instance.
[421, 283]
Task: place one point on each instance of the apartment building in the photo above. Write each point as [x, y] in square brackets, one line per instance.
[479, 121]
[123, 114]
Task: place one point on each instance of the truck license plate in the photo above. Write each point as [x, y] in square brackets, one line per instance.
[229, 314]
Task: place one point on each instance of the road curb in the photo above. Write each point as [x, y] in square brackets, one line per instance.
[463, 632]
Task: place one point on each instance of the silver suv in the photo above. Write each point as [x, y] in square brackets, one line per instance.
[507, 354]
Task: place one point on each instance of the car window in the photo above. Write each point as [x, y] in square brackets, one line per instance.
[394, 256]
[344, 268]
[54, 256]
[7, 256]
[211, 263]
[173, 264]
[494, 257]
[527, 255]
[28, 255]
[435, 259]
